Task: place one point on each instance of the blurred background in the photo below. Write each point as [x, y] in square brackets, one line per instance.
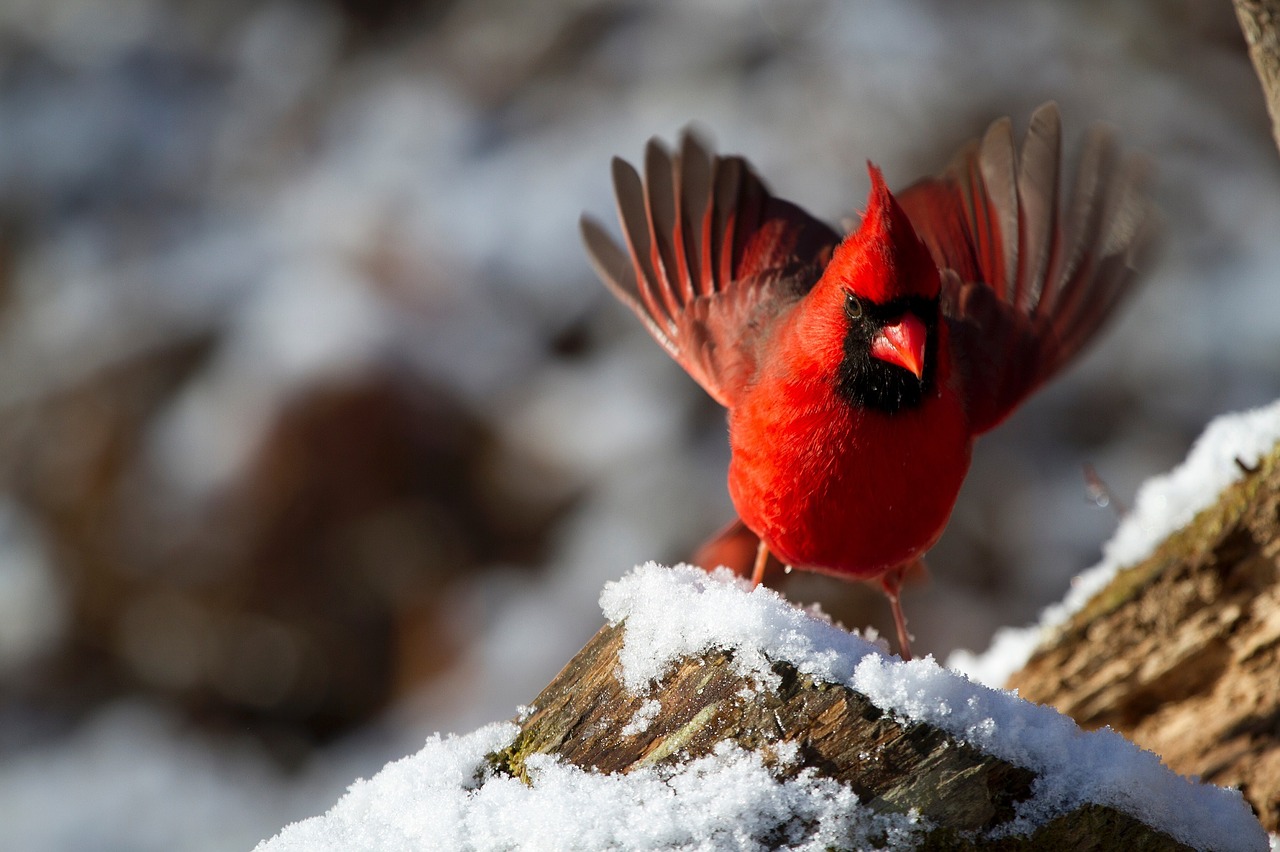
[317, 434]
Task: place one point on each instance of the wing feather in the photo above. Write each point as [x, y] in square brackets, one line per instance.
[1038, 217]
[660, 205]
[711, 258]
[693, 177]
[1032, 277]
[629, 193]
[728, 173]
[997, 176]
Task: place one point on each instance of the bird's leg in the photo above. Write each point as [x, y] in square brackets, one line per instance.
[892, 583]
[762, 559]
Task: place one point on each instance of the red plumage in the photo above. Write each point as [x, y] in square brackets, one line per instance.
[858, 372]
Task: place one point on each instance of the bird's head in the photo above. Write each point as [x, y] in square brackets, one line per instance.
[886, 286]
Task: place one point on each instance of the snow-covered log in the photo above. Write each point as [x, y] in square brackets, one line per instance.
[707, 715]
[589, 718]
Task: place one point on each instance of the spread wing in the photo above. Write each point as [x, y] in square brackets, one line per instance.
[712, 258]
[1030, 272]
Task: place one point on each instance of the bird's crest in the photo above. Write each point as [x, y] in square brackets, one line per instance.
[884, 259]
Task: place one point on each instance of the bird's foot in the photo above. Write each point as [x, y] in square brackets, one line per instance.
[762, 559]
[891, 582]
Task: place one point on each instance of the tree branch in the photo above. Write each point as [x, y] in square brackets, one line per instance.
[1260, 22]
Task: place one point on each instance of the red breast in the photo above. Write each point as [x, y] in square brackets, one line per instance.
[831, 479]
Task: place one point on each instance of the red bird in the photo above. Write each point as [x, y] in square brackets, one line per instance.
[857, 372]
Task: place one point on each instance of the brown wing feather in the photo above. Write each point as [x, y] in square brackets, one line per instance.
[711, 258]
[1032, 278]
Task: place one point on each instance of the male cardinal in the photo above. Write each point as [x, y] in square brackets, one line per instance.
[858, 371]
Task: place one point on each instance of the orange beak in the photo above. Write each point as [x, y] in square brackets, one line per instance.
[902, 343]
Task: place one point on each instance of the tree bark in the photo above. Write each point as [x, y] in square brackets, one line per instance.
[1181, 653]
[1260, 23]
[583, 717]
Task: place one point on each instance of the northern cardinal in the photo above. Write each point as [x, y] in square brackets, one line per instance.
[858, 371]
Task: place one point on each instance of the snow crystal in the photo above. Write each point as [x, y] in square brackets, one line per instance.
[643, 718]
[447, 797]
[1164, 504]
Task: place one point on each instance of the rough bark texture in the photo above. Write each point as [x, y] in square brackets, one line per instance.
[1181, 653]
[892, 766]
[1260, 22]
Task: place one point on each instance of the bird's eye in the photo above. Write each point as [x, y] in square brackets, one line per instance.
[852, 306]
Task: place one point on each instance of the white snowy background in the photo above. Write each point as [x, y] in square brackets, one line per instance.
[308, 194]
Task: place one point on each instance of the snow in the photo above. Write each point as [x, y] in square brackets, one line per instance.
[1163, 505]
[447, 795]
[643, 718]
[719, 611]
